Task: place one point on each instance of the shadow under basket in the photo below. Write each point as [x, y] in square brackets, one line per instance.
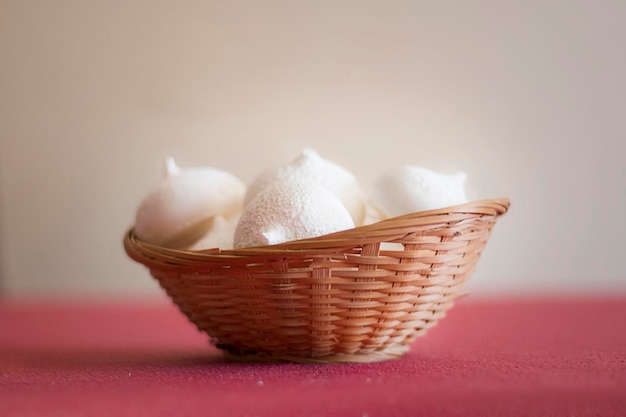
[360, 295]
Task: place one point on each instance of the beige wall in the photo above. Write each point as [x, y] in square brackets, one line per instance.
[528, 97]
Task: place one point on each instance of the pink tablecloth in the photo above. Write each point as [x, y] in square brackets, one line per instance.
[503, 358]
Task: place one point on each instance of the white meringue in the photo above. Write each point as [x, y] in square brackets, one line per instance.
[182, 208]
[219, 235]
[290, 210]
[310, 166]
[410, 188]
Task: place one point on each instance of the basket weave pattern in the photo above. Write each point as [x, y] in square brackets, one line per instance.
[357, 295]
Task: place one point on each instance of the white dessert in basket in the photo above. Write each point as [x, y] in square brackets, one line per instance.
[309, 166]
[203, 208]
[218, 235]
[289, 210]
[188, 205]
[409, 188]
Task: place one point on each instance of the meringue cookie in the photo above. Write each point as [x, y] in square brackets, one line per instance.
[219, 235]
[310, 166]
[182, 208]
[290, 210]
[410, 188]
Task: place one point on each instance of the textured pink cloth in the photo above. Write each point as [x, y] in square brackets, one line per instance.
[501, 358]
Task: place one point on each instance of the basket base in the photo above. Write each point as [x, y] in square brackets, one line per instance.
[386, 355]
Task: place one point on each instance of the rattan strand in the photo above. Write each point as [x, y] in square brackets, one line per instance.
[359, 295]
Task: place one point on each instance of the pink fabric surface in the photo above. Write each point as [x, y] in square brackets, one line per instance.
[563, 357]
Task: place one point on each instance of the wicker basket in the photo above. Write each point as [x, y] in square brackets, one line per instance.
[359, 295]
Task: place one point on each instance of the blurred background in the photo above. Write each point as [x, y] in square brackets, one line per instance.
[527, 97]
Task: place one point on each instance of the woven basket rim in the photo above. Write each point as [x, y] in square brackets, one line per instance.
[147, 253]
